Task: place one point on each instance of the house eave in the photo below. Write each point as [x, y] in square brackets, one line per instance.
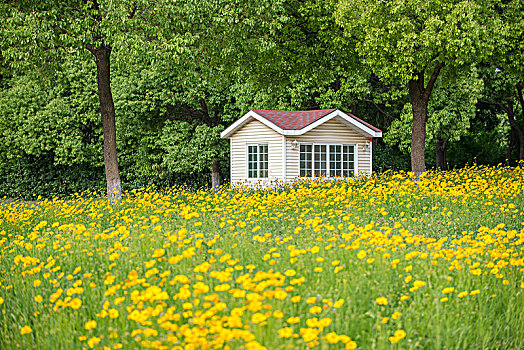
[300, 132]
[251, 115]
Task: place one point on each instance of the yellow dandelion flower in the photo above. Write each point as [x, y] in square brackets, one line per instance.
[332, 338]
[286, 332]
[396, 315]
[290, 273]
[351, 345]
[419, 284]
[75, 304]
[278, 314]
[338, 303]
[280, 294]
[90, 325]
[25, 330]
[448, 290]
[315, 310]
[113, 313]
[382, 301]
[258, 317]
[293, 320]
[93, 341]
[158, 253]
[311, 300]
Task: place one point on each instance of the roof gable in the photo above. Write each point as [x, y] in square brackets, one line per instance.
[293, 120]
[299, 122]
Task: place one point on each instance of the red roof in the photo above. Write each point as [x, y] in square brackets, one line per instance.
[296, 120]
[364, 122]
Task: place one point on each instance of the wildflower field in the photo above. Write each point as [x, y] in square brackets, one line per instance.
[366, 264]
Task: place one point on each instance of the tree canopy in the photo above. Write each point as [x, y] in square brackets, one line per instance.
[409, 42]
[157, 81]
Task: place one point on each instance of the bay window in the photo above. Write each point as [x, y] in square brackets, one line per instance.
[330, 160]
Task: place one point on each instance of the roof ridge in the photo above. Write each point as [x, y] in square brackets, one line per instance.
[299, 122]
[292, 120]
[282, 110]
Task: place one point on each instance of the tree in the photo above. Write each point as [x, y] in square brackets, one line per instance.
[450, 110]
[309, 64]
[42, 32]
[504, 91]
[59, 117]
[174, 126]
[208, 86]
[409, 42]
[504, 74]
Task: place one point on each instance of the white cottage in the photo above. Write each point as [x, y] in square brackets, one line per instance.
[284, 145]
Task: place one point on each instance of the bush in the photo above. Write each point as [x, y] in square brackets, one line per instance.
[31, 176]
[387, 157]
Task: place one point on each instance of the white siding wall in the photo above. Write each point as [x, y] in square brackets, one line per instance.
[332, 131]
[255, 132]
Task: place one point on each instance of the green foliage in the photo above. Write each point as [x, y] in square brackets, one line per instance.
[449, 111]
[388, 157]
[400, 38]
[58, 114]
[37, 34]
[183, 71]
[481, 147]
[408, 42]
[30, 176]
[500, 95]
[190, 147]
[510, 46]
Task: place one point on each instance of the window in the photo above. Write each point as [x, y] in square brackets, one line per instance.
[348, 160]
[306, 160]
[333, 160]
[257, 161]
[320, 160]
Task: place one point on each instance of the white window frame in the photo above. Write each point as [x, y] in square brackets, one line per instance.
[258, 160]
[328, 170]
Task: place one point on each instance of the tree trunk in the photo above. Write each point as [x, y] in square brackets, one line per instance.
[418, 135]
[520, 132]
[521, 139]
[354, 109]
[521, 152]
[440, 153]
[215, 175]
[510, 147]
[107, 109]
[419, 97]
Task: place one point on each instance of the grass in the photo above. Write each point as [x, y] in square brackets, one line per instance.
[368, 264]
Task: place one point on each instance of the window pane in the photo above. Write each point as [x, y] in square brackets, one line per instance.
[320, 163]
[335, 157]
[263, 154]
[306, 156]
[348, 161]
[252, 170]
